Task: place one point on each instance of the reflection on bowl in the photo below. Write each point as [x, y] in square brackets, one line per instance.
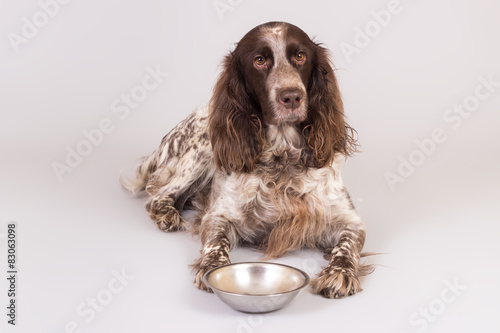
[256, 287]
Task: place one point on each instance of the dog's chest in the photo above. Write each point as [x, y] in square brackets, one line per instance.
[267, 198]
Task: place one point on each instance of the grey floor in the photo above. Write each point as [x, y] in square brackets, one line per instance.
[426, 181]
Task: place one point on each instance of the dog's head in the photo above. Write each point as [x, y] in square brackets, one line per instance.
[276, 76]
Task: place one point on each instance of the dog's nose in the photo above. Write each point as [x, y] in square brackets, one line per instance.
[291, 98]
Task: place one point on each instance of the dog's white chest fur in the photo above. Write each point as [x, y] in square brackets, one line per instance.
[280, 195]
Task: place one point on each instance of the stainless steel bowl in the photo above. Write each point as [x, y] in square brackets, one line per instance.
[256, 287]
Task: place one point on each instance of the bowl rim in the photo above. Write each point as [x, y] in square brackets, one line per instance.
[305, 284]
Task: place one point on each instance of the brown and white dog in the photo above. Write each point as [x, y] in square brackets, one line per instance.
[260, 164]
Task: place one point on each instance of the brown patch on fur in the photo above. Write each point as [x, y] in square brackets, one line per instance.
[296, 225]
[294, 232]
[235, 128]
[326, 130]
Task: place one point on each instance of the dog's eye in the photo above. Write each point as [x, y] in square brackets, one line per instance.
[300, 57]
[260, 61]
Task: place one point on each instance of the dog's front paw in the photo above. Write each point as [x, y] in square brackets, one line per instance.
[202, 269]
[198, 280]
[168, 219]
[336, 283]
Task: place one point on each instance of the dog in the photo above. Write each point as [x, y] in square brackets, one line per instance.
[261, 163]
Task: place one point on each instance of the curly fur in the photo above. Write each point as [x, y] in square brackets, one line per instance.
[262, 170]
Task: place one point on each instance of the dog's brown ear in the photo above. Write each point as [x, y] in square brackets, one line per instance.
[235, 128]
[326, 131]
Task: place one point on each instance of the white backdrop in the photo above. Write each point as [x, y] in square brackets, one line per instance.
[421, 84]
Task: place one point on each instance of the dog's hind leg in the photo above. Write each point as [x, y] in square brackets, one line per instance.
[165, 205]
[162, 211]
[181, 167]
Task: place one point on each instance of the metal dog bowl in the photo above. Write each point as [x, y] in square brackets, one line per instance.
[256, 287]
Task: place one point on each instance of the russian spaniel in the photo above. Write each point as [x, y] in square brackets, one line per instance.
[261, 163]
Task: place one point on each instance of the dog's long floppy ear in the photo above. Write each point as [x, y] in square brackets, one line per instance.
[235, 127]
[326, 131]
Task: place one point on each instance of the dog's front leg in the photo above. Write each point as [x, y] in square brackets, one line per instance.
[216, 246]
[340, 277]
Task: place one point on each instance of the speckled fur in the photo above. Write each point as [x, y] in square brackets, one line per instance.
[278, 202]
